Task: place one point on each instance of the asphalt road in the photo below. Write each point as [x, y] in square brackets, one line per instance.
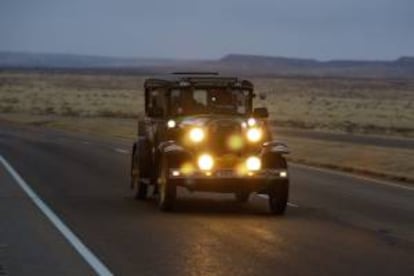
[375, 140]
[336, 224]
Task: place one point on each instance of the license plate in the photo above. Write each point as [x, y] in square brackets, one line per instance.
[225, 173]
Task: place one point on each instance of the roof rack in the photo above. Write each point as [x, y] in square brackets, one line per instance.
[196, 73]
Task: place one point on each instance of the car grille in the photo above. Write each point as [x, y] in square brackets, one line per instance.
[219, 133]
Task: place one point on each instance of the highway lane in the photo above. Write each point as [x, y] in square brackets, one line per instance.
[337, 224]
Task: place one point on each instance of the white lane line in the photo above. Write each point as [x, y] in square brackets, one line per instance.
[119, 150]
[356, 176]
[87, 255]
[292, 205]
[289, 203]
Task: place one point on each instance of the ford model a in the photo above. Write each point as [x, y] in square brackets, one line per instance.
[201, 132]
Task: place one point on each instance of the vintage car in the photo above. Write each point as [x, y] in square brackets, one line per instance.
[200, 131]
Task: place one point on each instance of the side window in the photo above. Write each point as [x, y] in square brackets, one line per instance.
[175, 98]
[157, 102]
[153, 96]
[242, 101]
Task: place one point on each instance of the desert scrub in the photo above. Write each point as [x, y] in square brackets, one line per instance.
[368, 106]
[351, 105]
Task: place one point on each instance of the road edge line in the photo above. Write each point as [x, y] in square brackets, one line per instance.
[77, 244]
[354, 175]
[291, 204]
[120, 150]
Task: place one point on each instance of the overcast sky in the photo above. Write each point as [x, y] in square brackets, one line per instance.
[322, 29]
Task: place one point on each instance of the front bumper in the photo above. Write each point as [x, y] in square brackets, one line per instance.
[264, 174]
[229, 180]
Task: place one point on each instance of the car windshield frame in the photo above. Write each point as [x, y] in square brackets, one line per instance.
[211, 101]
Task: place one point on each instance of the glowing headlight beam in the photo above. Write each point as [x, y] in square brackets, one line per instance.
[253, 163]
[254, 134]
[171, 124]
[205, 162]
[197, 135]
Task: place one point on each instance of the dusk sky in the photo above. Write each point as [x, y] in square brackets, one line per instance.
[322, 29]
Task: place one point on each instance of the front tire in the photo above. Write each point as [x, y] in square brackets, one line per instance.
[140, 189]
[278, 197]
[242, 197]
[167, 190]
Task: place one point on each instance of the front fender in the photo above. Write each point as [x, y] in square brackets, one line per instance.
[142, 157]
[175, 153]
[275, 147]
[272, 155]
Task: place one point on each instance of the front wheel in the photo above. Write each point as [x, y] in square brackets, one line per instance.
[242, 197]
[139, 188]
[278, 198]
[166, 189]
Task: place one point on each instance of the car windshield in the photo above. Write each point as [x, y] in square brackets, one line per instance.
[190, 101]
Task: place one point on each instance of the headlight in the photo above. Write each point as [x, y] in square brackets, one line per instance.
[197, 135]
[205, 162]
[254, 134]
[253, 163]
[171, 124]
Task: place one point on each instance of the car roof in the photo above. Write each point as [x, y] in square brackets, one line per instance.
[196, 79]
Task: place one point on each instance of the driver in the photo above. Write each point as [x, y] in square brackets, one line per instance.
[185, 103]
[223, 100]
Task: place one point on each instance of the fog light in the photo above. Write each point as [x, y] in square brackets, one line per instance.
[253, 163]
[283, 174]
[205, 162]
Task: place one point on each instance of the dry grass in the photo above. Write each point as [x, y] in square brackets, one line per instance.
[71, 95]
[362, 106]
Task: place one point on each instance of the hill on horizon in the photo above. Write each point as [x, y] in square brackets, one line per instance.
[243, 64]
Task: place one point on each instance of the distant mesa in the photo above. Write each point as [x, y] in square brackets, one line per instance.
[405, 61]
[249, 65]
[240, 58]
